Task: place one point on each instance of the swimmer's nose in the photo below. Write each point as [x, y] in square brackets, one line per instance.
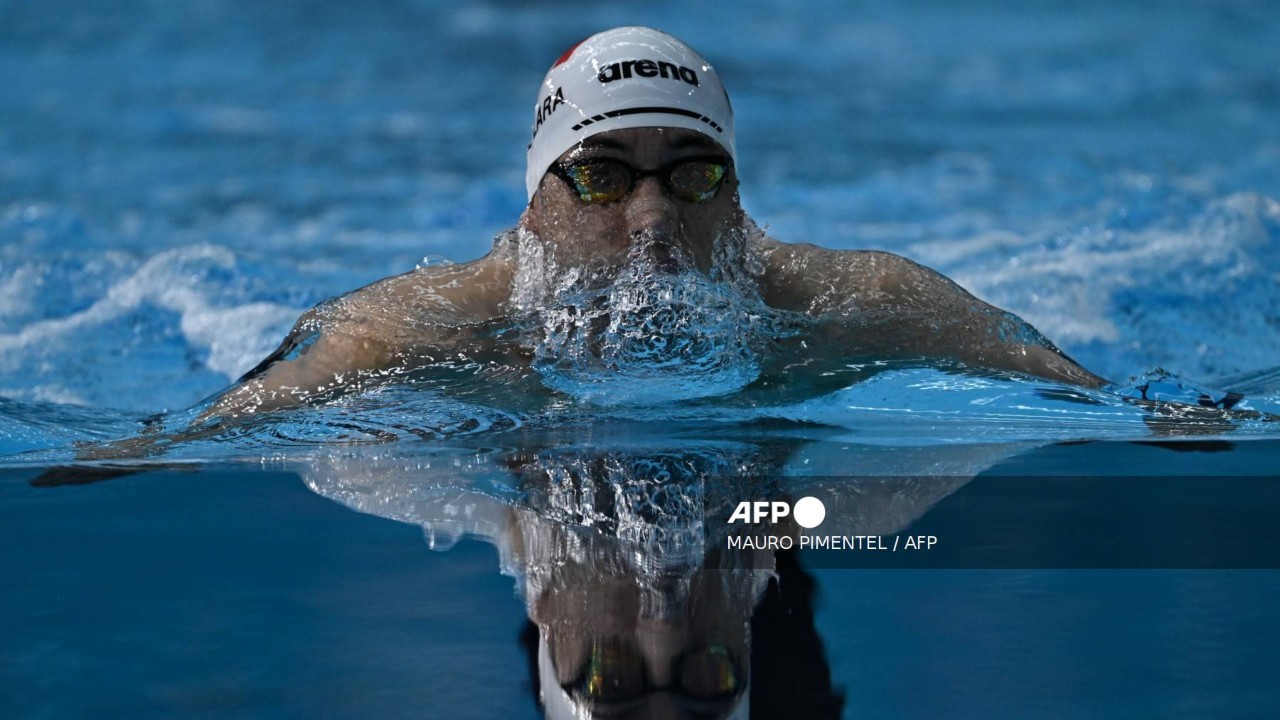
[651, 210]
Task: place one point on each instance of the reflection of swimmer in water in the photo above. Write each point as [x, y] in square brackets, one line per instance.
[637, 607]
[631, 166]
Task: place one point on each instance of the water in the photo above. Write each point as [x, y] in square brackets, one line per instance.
[178, 183]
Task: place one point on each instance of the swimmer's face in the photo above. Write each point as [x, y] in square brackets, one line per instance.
[612, 661]
[602, 234]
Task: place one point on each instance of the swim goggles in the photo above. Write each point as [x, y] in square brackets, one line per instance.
[615, 672]
[604, 180]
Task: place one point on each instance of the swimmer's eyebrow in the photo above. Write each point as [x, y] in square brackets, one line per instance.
[591, 148]
[694, 141]
[596, 143]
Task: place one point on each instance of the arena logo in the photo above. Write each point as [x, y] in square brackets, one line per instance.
[808, 512]
[627, 69]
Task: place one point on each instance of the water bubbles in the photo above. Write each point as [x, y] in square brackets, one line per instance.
[649, 336]
[428, 261]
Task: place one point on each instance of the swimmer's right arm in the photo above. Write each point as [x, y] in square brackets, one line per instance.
[341, 346]
[359, 339]
[316, 362]
[309, 366]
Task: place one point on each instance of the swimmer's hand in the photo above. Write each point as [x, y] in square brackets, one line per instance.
[1197, 412]
[115, 459]
[1173, 419]
[62, 475]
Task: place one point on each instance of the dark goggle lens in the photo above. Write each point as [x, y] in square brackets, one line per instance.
[614, 673]
[599, 181]
[697, 181]
[710, 673]
[604, 181]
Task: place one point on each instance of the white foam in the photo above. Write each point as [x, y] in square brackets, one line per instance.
[51, 393]
[235, 338]
[1198, 277]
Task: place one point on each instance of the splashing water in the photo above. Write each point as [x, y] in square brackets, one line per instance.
[657, 331]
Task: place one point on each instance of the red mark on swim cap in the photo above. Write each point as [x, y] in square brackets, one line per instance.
[561, 60]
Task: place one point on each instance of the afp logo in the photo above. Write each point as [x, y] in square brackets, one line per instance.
[809, 512]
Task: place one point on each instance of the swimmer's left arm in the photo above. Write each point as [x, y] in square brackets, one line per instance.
[883, 304]
[939, 317]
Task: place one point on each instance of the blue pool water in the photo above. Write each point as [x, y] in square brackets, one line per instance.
[178, 181]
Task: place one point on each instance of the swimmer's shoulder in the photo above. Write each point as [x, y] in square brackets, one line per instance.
[809, 278]
[786, 257]
[446, 293]
[430, 304]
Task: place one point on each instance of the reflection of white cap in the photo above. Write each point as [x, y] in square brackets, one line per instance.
[627, 77]
[559, 705]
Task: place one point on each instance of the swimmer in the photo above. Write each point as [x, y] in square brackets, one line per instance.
[632, 163]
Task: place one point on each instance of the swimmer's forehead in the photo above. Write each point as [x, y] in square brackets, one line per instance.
[636, 141]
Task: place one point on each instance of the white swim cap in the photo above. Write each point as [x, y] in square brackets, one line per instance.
[627, 77]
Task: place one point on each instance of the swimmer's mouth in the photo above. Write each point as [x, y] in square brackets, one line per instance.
[661, 256]
[666, 264]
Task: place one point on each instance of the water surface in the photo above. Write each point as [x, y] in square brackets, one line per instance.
[179, 182]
